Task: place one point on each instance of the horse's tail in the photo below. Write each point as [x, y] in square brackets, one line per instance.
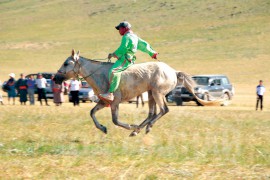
[190, 84]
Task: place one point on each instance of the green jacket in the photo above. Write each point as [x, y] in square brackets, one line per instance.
[130, 44]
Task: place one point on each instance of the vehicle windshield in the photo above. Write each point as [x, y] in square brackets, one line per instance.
[201, 80]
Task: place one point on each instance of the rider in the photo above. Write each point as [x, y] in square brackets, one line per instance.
[125, 55]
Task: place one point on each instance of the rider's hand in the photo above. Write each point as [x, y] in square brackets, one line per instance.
[155, 56]
[110, 55]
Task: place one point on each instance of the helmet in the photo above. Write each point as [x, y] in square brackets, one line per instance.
[123, 24]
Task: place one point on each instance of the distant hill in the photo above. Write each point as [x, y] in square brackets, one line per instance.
[196, 36]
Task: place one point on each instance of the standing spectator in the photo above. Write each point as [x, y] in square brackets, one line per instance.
[41, 88]
[74, 87]
[31, 89]
[260, 91]
[11, 88]
[21, 86]
[1, 97]
[58, 92]
[138, 100]
[66, 88]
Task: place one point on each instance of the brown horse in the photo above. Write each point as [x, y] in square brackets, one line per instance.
[155, 77]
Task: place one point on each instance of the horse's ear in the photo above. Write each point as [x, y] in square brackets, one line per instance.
[78, 53]
[73, 52]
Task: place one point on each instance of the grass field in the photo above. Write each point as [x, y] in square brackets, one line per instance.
[190, 142]
[195, 36]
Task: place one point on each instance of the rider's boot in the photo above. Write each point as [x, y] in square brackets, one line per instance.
[107, 96]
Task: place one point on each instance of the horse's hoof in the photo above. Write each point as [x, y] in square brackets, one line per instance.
[134, 133]
[148, 129]
[103, 129]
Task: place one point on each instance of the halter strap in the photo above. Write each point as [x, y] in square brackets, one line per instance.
[77, 73]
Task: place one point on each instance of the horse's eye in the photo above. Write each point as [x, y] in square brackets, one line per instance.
[65, 64]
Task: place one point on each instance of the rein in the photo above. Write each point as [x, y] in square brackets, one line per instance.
[109, 60]
[77, 73]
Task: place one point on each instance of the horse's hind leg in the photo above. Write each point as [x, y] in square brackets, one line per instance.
[115, 110]
[159, 98]
[151, 114]
[100, 105]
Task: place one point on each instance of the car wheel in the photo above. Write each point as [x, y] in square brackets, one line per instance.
[179, 101]
[226, 100]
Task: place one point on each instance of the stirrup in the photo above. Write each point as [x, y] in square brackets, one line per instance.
[105, 100]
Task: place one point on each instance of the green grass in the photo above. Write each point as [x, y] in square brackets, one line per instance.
[189, 142]
[198, 37]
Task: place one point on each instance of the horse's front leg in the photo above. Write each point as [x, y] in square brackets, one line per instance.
[115, 110]
[100, 105]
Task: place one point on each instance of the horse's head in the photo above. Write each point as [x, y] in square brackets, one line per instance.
[69, 69]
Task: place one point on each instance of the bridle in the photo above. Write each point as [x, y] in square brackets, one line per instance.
[76, 73]
[73, 70]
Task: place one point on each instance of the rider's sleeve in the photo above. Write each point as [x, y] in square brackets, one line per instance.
[122, 48]
[145, 47]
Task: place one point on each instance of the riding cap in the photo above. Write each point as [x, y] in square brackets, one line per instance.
[123, 24]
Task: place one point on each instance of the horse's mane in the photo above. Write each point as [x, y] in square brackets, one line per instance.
[96, 61]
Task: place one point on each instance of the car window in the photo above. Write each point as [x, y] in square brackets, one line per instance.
[28, 76]
[201, 80]
[85, 84]
[45, 75]
[217, 82]
[225, 81]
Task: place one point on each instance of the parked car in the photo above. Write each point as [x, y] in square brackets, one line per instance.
[209, 87]
[86, 93]
[46, 75]
[49, 92]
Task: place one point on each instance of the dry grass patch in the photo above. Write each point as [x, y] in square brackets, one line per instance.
[189, 142]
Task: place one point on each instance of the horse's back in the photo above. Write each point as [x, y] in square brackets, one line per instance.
[150, 68]
[154, 76]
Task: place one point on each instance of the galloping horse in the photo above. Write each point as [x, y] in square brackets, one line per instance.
[155, 77]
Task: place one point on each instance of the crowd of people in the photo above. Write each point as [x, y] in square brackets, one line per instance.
[25, 89]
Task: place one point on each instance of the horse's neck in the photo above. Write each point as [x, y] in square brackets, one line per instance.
[96, 74]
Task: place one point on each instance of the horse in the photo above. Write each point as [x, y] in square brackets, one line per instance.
[157, 78]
